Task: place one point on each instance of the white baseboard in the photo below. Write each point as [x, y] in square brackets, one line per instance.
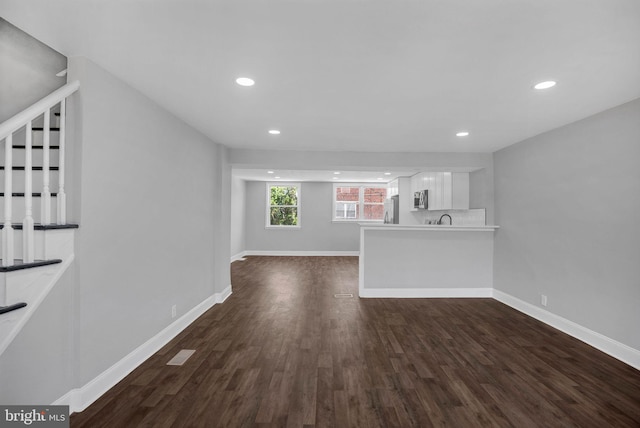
[80, 398]
[238, 256]
[301, 253]
[605, 344]
[418, 293]
[224, 295]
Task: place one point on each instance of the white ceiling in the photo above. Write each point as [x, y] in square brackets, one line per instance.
[357, 75]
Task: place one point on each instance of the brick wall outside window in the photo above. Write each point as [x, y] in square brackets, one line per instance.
[359, 202]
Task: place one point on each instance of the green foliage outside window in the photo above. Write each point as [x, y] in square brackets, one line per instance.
[283, 210]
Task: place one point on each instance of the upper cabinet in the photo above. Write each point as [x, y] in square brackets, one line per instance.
[392, 188]
[446, 190]
[460, 194]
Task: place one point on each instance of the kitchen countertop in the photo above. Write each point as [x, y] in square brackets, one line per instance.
[429, 227]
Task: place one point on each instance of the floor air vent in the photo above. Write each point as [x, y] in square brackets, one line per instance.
[343, 296]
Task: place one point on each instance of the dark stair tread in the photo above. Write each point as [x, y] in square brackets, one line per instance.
[38, 226]
[22, 146]
[39, 128]
[33, 168]
[5, 309]
[19, 264]
[21, 194]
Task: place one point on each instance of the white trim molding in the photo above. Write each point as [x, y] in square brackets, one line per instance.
[239, 256]
[223, 295]
[428, 227]
[301, 253]
[80, 398]
[599, 341]
[418, 293]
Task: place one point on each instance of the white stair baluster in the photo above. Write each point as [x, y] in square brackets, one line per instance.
[25, 119]
[45, 202]
[62, 197]
[7, 231]
[28, 237]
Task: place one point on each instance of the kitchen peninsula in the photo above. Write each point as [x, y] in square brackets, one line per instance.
[426, 260]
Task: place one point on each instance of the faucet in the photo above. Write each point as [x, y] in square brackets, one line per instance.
[450, 220]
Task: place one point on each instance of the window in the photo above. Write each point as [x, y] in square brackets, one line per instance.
[283, 205]
[354, 202]
[347, 203]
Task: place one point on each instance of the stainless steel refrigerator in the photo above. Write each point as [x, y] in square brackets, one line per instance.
[391, 210]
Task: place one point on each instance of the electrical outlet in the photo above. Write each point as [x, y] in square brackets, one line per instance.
[543, 299]
[173, 311]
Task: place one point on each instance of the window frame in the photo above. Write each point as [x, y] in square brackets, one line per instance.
[268, 205]
[361, 204]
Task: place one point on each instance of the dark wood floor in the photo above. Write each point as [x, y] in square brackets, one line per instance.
[283, 351]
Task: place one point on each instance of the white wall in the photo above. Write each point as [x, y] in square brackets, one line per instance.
[568, 204]
[150, 217]
[152, 198]
[38, 366]
[28, 70]
[221, 219]
[238, 216]
[480, 195]
[317, 233]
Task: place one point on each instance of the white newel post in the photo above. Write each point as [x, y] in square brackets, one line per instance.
[28, 239]
[62, 197]
[7, 231]
[45, 202]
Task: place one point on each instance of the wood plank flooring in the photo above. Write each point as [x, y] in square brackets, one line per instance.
[282, 351]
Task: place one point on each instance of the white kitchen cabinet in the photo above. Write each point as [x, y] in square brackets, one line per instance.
[435, 190]
[460, 194]
[416, 184]
[392, 188]
[447, 186]
[447, 190]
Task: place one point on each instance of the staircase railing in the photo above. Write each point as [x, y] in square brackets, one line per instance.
[24, 120]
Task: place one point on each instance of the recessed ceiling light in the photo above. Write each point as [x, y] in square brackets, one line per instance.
[379, 178]
[337, 172]
[335, 178]
[274, 132]
[277, 177]
[545, 85]
[462, 134]
[387, 173]
[269, 172]
[245, 81]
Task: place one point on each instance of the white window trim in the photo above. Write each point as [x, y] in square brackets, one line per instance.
[360, 218]
[267, 216]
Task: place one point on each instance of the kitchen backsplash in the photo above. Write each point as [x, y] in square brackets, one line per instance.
[472, 217]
